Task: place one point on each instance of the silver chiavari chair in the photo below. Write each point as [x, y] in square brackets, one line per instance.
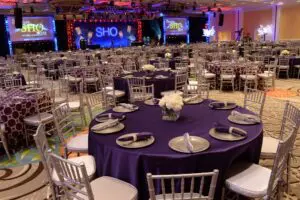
[180, 85]
[44, 150]
[254, 100]
[200, 89]
[283, 65]
[12, 82]
[45, 154]
[96, 102]
[290, 124]
[141, 93]
[193, 192]
[264, 183]
[136, 81]
[250, 77]
[268, 77]
[65, 125]
[227, 76]
[76, 184]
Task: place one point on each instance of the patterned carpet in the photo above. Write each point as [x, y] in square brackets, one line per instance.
[27, 181]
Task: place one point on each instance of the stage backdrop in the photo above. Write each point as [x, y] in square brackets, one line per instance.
[105, 34]
[34, 29]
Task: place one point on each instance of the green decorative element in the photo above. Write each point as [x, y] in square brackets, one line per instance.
[170, 115]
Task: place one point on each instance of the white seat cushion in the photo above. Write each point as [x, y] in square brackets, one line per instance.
[59, 100]
[297, 66]
[171, 92]
[265, 76]
[89, 163]
[35, 121]
[91, 80]
[269, 147]
[74, 105]
[73, 79]
[193, 82]
[109, 188]
[209, 75]
[248, 77]
[227, 77]
[177, 196]
[283, 67]
[250, 180]
[78, 143]
[118, 93]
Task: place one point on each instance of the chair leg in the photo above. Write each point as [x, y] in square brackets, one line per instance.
[6, 150]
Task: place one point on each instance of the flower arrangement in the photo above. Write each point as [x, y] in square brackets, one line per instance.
[168, 55]
[171, 106]
[284, 53]
[148, 67]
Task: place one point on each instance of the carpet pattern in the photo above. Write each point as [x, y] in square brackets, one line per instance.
[29, 181]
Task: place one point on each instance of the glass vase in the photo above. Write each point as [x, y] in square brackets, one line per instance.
[170, 115]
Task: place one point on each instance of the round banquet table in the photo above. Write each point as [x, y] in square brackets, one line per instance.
[160, 85]
[132, 165]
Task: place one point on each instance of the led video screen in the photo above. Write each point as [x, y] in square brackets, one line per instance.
[33, 29]
[176, 26]
[105, 34]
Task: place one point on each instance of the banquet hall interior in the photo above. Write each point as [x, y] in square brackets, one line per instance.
[149, 99]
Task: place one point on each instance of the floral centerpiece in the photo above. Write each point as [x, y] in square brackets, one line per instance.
[171, 106]
[285, 53]
[168, 55]
[148, 67]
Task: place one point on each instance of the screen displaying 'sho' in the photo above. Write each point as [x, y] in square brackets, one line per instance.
[33, 29]
[105, 34]
[176, 26]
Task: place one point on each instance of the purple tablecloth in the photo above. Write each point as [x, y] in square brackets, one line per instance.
[132, 165]
[160, 85]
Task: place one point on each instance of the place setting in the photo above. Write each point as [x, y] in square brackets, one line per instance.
[218, 105]
[125, 108]
[108, 127]
[189, 144]
[135, 140]
[227, 133]
[152, 102]
[243, 119]
[107, 116]
[195, 99]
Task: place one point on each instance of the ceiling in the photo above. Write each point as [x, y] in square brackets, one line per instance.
[186, 6]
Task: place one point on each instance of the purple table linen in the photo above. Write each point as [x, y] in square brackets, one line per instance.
[132, 165]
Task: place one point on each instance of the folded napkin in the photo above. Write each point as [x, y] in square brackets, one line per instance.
[128, 106]
[245, 117]
[188, 143]
[119, 116]
[217, 105]
[109, 123]
[229, 129]
[192, 98]
[161, 77]
[136, 137]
